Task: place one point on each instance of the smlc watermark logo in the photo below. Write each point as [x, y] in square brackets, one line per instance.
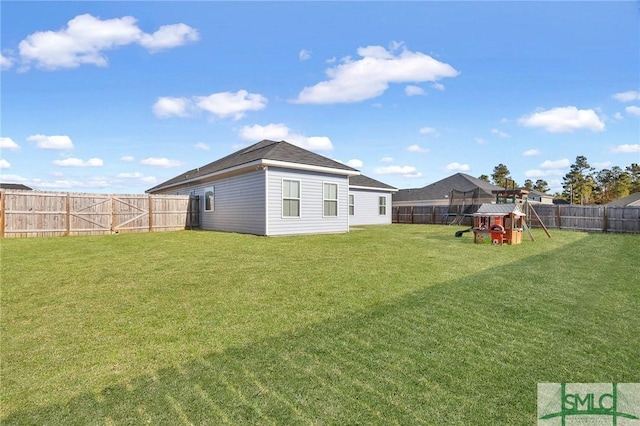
[569, 404]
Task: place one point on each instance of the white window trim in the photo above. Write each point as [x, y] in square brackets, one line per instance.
[299, 198]
[380, 198]
[352, 204]
[327, 199]
[213, 199]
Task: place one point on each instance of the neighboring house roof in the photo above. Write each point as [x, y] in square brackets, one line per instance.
[265, 152]
[499, 209]
[362, 181]
[440, 189]
[632, 200]
[15, 186]
[533, 192]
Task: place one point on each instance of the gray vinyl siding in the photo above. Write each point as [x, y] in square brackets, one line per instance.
[311, 220]
[238, 204]
[366, 207]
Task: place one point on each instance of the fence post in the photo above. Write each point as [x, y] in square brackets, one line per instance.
[604, 219]
[113, 213]
[411, 214]
[68, 215]
[2, 206]
[150, 213]
[559, 218]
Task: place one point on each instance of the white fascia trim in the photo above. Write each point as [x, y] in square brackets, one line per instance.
[309, 167]
[373, 188]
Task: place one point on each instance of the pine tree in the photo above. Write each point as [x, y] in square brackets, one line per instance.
[578, 184]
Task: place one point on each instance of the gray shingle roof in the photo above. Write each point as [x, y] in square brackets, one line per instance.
[264, 150]
[440, 189]
[630, 200]
[365, 181]
[15, 186]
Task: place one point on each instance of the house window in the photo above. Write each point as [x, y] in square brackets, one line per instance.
[382, 206]
[351, 205]
[209, 199]
[330, 199]
[290, 198]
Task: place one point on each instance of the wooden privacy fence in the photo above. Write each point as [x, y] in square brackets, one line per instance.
[46, 214]
[578, 218]
[425, 215]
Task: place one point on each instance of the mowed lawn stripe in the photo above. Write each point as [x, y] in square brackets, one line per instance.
[438, 330]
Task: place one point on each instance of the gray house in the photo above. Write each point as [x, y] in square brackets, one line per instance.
[369, 201]
[276, 188]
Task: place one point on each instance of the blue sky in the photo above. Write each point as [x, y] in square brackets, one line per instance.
[116, 97]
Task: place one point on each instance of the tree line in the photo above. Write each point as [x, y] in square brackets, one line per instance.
[581, 185]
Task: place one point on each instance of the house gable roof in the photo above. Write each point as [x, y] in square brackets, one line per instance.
[362, 181]
[631, 200]
[15, 186]
[440, 190]
[265, 152]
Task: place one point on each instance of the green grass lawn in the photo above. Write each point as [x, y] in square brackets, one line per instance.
[399, 324]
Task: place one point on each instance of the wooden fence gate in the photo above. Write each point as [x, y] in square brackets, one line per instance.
[39, 214]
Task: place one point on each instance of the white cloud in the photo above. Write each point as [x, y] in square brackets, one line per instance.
[167, 106]
[51, 142]
[558, 164]
[618, 116]
[169, 36]
[229, 104]
[355, 163]
[386, 159]
[531, 152]
[4, 164]
[631, 95]
[414, 90]
[278, 132]
[134, 175]
[89, 183]
[537, 173]
[500, 133]
[633, 110]
[222, 104]
[86, 38]
[77, 162]
[127, 158]
[8, 143]
[438, 86]
[564, 120]
[370, 76]
[161, 162]
[417, 148]
[304, 54]
[626, 149]
[480, 141]
[429, 131]
[405, 171]
[601, 165]
[5, 62]
[202, 146]
[457, 167]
